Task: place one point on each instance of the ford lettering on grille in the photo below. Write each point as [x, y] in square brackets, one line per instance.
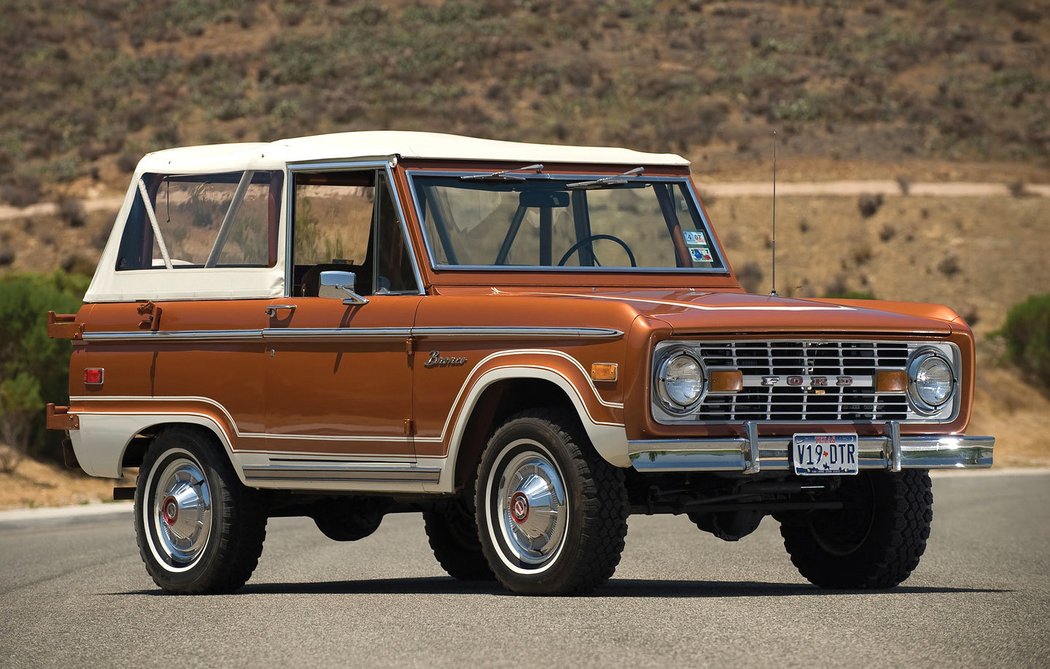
[808, 381]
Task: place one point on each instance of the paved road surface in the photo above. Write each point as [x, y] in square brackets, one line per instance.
[74, 593]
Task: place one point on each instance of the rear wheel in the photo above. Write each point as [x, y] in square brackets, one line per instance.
[874, 542]
[552, 515]
[199, 529]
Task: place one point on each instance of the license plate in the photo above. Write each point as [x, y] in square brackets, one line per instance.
[824, 454]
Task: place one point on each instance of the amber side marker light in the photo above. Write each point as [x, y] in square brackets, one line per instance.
[604, 371]
[725, 380]
[895, 381]
[94, 376]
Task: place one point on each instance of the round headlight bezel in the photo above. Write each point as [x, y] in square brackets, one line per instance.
[667, 402]
[921, 404]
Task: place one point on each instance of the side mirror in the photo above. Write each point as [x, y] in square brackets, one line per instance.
[345, 282]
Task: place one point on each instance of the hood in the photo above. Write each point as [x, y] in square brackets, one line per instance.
[687, 311]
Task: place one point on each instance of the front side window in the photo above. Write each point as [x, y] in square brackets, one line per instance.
[553, 221]
[203, 220]
[346, 220]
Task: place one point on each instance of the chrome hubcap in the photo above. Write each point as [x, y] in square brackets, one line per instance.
[182, 511]
[531, 506]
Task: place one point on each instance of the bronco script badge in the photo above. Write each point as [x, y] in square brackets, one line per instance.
[435, 360]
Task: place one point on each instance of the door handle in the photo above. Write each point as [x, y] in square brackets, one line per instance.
[272, 310]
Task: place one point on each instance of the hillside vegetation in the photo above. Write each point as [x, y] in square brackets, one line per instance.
[91, 85]
[899, 89]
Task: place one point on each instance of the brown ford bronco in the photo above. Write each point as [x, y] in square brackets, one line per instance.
[525, 343]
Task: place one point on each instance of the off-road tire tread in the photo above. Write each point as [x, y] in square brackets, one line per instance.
[604, 510]
[892, 550]
[462, 560]
[240, 534]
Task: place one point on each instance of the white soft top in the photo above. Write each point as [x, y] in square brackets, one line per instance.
[386, 144]
[109, 285]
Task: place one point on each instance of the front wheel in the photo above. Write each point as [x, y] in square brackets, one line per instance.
[199, 529]
[874, 541]
[552, 515]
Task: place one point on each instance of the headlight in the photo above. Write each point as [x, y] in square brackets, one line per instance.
[680, 381]
[931, 381]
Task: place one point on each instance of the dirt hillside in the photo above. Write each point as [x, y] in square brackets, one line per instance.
[942, 86]
[894, 91]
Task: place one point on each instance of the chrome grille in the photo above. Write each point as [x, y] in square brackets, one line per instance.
[832, 359]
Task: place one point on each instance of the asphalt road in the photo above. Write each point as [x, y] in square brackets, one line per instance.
[74, 593]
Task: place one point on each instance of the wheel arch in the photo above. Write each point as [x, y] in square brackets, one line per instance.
[106, 443]
[500, 400]
[505, 390]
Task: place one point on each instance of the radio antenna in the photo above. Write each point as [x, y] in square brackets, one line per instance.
[773, 246]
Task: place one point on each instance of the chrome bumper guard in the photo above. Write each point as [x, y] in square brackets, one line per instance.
[752, 454]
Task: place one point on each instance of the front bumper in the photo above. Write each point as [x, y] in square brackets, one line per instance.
[752, 454]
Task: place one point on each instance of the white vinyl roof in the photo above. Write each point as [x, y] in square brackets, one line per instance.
[385, 144]
[109, 285]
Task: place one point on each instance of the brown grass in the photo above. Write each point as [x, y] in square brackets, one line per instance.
[998, 244]
[944, 86]
[1013, 411]
[36, 483]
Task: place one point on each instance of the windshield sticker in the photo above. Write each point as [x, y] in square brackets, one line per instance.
[700, 254]
[694, 238]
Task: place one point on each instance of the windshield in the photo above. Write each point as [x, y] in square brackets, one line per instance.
[552, 221]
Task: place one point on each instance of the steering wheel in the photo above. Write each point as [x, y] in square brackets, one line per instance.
[612, 238]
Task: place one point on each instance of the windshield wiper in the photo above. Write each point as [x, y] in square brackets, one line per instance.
[615, 180]
[504, 175]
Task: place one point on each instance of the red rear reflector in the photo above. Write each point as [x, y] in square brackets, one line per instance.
[93, 376]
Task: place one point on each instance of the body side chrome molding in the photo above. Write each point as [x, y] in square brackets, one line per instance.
[175, 335]
[316, 470]
[272, 334]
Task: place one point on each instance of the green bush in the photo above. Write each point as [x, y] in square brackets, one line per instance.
[847, 294]
[33, 368]
[1026, 334]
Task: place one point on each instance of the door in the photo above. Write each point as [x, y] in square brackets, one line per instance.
[339, 375]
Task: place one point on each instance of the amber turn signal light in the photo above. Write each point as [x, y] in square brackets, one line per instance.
[725, 381]
[895, 381]
[604, 371]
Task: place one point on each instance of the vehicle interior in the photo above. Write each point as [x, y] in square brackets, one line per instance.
[346, 221]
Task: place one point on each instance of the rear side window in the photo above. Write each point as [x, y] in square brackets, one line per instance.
[178, 221]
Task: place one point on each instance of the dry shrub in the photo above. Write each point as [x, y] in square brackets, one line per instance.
[9, 459]
[950, 266]
[869, 205]
[71, 212]
[750, 276]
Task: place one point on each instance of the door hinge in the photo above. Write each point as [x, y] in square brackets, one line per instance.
[59, 418]
[150, 314]
[63, 326]
[410, 427]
